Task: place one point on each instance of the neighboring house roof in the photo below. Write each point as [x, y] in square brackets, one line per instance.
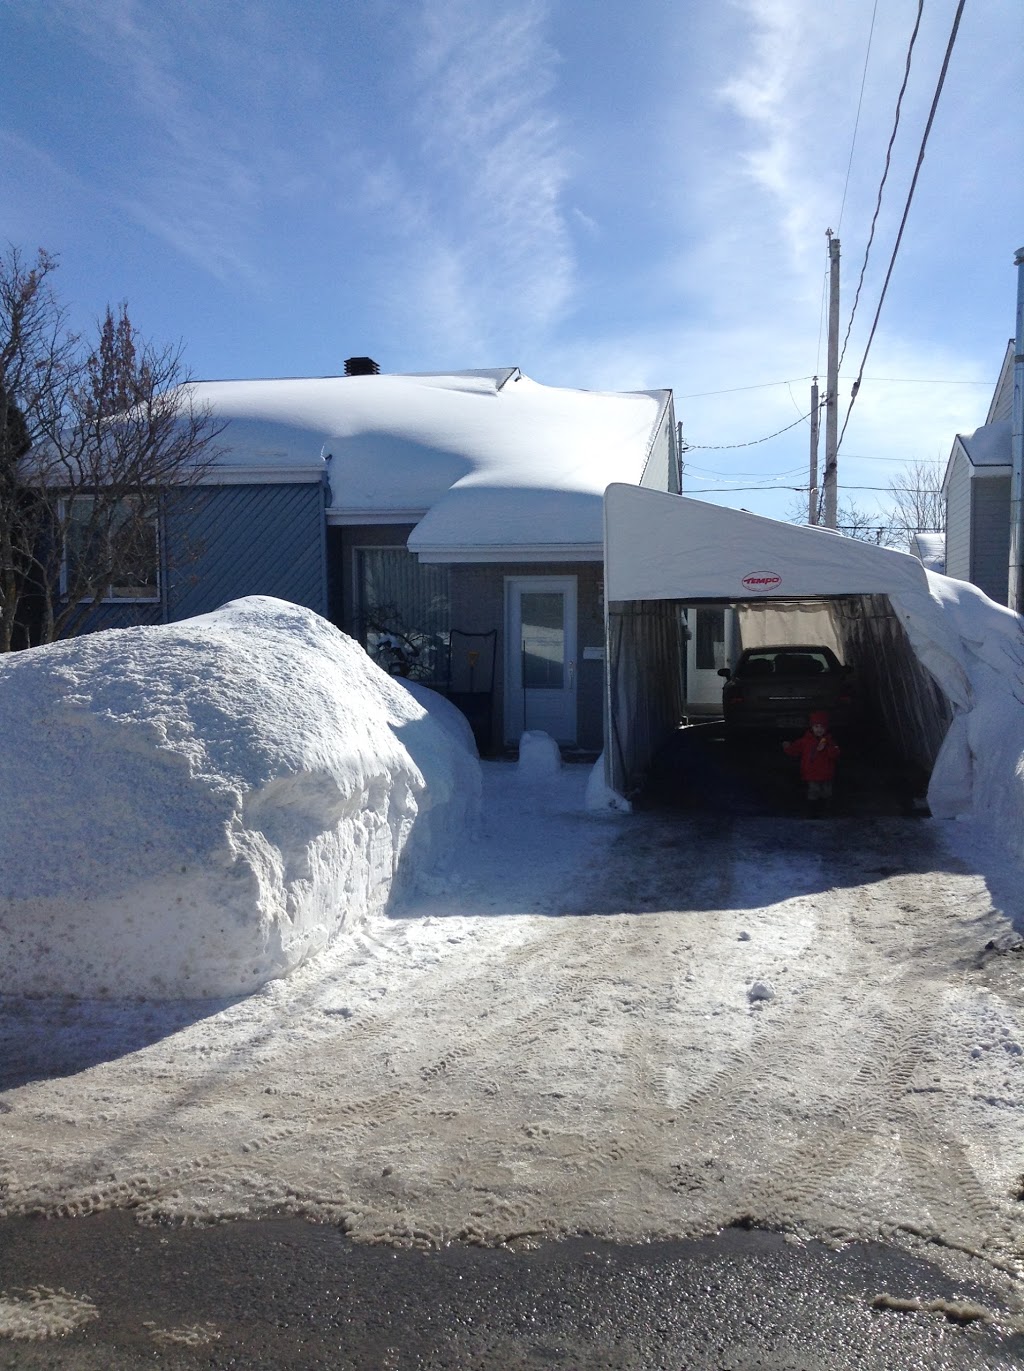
[988, 446]
[930, 548]
[485, 462]
[1002, 396]
[987, 451]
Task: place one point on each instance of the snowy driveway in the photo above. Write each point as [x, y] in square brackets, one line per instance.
[630, 1026]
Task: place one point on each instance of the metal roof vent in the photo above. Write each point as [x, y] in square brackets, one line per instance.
[361, 366]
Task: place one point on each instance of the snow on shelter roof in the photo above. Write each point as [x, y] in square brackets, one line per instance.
[479, 460]
[669, 547]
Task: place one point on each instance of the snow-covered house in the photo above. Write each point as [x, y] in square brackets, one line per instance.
[451, 523]
[977, 491]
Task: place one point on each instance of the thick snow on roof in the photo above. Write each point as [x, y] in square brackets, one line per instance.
[989, 445]
[931, 549]
[196, 808]
[483, 451]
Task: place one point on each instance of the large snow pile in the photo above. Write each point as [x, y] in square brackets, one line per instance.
[194, 809]
[974, 648]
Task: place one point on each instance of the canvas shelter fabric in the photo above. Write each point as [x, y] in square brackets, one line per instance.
[668, 547]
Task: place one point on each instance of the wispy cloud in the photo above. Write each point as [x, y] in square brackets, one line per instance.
[192, 179]
[482, 181]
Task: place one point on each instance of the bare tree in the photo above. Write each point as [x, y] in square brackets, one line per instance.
[918, 504]
[95, 438]
[852, 522]
[874, 527]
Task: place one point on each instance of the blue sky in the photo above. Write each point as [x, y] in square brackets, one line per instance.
[607, 196]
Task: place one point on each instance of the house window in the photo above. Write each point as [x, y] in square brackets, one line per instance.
[118, 551]
[404, 612]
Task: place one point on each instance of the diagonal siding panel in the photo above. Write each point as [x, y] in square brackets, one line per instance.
[230, 541]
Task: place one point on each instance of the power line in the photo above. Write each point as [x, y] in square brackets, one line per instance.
[745, 490]
[885, 171]
[793, 380]
[800, 490]
[856, 122]
[730, 447]
[906, 211]
[705, 472]
[733, 390]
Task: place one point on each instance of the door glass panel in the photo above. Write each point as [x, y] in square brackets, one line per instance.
[543, 639]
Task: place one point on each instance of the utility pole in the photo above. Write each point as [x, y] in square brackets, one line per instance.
[830, 483]
[812, 497]
[1015, 587]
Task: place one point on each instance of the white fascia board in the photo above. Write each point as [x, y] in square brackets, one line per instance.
[356, 517]
[983, 471]
[515, 552]
[257, 475]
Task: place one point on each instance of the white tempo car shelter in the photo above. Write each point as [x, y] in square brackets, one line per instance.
[664, 551]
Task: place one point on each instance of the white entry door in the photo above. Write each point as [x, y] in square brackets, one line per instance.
[540, 656]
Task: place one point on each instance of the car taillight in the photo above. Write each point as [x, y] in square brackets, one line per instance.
[733, 697]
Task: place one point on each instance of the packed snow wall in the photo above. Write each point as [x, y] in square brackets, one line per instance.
[193, 809]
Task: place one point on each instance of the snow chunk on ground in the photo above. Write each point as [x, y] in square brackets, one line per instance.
[599, 794]
[193, 809]
[539, 755]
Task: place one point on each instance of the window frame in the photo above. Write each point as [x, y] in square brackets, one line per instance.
[67, 518]
[361, 632]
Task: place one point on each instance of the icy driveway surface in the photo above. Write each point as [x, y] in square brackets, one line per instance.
[631, 1026]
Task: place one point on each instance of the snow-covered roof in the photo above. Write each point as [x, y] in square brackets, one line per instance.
[484, 462]
[989, 445]
[1002, 397]
[931, 549]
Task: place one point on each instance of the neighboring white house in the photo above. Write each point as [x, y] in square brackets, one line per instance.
[977, 491]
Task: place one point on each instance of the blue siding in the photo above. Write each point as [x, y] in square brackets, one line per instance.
[123, 615]
[228, 541]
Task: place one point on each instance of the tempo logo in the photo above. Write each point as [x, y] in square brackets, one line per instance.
[761, 580]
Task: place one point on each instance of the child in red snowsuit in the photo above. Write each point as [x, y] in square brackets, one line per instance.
[818, 753]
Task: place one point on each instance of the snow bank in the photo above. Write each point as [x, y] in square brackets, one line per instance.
[194, 809]
[539, 755]
[974, 648]
[599, 794]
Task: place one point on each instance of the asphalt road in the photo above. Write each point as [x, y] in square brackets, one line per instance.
[284, 1294]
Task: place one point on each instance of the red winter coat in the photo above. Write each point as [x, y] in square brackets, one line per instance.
[815, 764]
